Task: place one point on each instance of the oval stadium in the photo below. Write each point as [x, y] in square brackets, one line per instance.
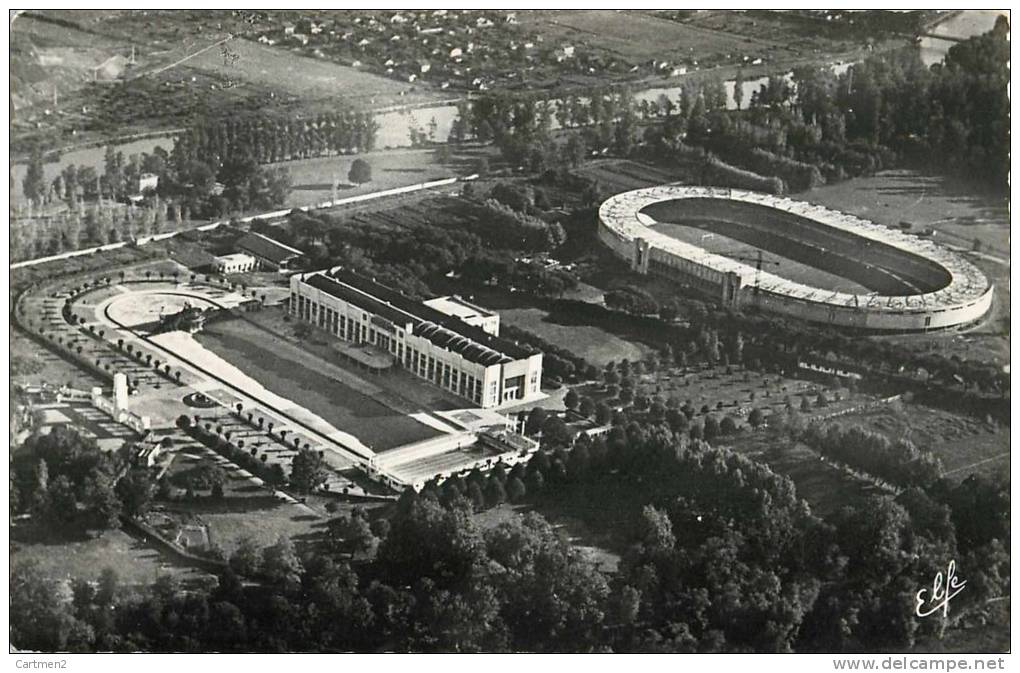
[793, 258]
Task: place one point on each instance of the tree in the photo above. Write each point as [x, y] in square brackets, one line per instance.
[494, 492]
[515, 489]
[280, 563]
[352, 534]
[135, 490]
[34, 183]
[571, 399]
[361, 172]
[247, 558]
[756, 418]
[307, 471]
[536, 419]
[586, 406]
[40, 618]
[603, 413]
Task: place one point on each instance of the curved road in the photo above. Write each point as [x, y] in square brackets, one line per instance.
[348, 453]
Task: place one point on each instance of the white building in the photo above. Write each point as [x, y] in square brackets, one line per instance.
[442, 348]
[236, 263]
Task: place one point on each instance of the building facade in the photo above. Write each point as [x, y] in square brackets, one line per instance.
[236, 263]
[443, 349]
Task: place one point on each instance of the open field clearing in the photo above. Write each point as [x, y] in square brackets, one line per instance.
[595, 345]
[614, 177]
[312, 179]
[136, 564]
[965, 445]
[826, 487]
[276, 68]
[246, 509]
[33, 364]
[637, 36]
[955, 211]
[287, 370]
[959, 215]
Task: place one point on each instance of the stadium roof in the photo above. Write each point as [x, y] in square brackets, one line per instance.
[472, 343]
[622, 214]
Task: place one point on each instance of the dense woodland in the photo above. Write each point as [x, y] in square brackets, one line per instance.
[427, 578]
[817, 126]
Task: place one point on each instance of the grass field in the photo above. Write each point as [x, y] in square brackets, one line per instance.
[955, 210]
[617, 176]
[592, 343]
[965, 445]
[246, 509]
[289, 371]
[719, 244]
[34, 364]
[312, 179]
[135, 563]
[825, 487]
[637, 36]
[959, 214]
[278, 69]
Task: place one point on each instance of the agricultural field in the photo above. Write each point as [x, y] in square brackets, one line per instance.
[615, 176]
[637, 36]
[289, 73]
[295, 374]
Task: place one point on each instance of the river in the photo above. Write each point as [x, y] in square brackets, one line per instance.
[966, 24]
[395, 126]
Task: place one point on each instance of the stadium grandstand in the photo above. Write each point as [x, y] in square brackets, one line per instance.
[891, 280]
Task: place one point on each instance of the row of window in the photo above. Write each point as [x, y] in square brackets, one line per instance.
[421, 364]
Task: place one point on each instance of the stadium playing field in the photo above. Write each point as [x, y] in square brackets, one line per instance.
[772, 262]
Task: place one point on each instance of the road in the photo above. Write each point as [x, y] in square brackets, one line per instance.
[435, 184]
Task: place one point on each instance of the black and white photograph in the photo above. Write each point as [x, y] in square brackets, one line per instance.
[509, 331]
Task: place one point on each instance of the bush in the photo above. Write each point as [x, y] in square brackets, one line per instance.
[361, 172]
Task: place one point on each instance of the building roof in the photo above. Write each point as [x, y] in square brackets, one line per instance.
[623, 215]
[236, 258]
[472, 343]
[267, 248]
[458, 308]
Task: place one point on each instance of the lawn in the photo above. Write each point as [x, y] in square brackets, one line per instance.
[312, 179]
[135, 562]
[33, 364]
[595, 345]
[246, 510]
[295, 374]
